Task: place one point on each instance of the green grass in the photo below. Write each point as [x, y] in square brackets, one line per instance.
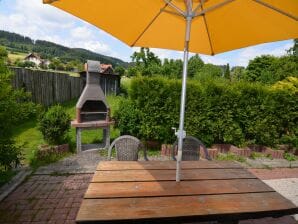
[28, 135]
[14, 56]
[230, 157]
[290, 157]
[35, 163]
[256, 155]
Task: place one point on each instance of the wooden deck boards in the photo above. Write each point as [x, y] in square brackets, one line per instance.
[147, 191]
[170, 175]
[161, 165]
[171, 188]
[181, 206]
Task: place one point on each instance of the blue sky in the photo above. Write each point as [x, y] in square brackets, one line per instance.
[38, 21]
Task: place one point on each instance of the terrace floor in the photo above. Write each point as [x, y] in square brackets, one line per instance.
[53, 194]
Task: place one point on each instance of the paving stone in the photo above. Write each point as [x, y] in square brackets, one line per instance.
[275, 173]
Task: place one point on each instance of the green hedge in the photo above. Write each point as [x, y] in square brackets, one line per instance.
[217, 111]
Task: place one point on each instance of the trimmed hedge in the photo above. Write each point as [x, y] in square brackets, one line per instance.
[217, 111]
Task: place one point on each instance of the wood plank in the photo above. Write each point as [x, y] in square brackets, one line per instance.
[201, 207]
[159, 165]
[163, 175]
[172, 188]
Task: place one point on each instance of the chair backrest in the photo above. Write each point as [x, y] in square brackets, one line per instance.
[190, 149]
[127, 148]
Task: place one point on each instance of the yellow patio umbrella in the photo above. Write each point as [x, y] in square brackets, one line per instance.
[201, 26]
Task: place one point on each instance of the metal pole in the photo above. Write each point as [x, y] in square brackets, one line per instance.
[181, 133]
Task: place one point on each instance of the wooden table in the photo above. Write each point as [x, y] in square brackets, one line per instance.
[147, 191]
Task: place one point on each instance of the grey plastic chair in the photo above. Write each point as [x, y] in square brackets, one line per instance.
[127, 148]
[191, 149]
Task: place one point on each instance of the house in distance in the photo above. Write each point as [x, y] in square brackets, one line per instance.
[37, 60]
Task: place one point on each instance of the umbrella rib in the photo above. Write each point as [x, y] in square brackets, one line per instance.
[207, 29]
[211, 8]
[276, 9]
[151, 22]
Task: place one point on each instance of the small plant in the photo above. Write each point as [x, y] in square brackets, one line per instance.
[290, 157]
[269, 156]
[256, 155]
[230, 157]
[54, 125]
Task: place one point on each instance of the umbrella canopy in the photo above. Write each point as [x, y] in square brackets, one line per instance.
[201, 26]
[219, 25]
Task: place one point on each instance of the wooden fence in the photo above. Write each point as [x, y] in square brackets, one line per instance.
[47, 88]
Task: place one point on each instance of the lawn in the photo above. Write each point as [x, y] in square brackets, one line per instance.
[28, 135]
[16, 55]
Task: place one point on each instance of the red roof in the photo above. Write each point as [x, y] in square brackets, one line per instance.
[105, 67]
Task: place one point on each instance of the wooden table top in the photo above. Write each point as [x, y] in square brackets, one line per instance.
[147, 191]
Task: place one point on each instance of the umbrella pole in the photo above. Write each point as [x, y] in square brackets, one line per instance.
[181, 133]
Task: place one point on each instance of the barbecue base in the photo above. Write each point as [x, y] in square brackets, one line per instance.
[104, 125]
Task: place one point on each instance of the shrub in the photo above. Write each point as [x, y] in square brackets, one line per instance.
[10, 154]
[54, 125]
[217, 111]
[127, 118]
[15, 107]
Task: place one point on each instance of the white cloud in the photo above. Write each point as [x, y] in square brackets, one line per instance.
[40, 21]
[216, 60]
[81, 32]
[251, 52]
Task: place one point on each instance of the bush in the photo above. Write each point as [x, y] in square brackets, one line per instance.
[10, 154]
[15, 107]
[217, 111]
[54, 125]
[127, 118]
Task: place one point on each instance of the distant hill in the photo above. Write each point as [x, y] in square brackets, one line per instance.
[18, 43]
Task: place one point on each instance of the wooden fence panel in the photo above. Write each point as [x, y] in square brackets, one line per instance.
[47, 88]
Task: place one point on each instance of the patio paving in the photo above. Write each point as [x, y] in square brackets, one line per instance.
[45, 199]
[53, 194]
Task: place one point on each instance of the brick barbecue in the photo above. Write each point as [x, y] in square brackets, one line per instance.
[92, 105]
[92, 109]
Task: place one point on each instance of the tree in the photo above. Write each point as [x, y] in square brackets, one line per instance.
[56, 64]
[172, 68]
[25, 64]
[227, 73]
[209, 71]
[269, 69]
[147, 63]
[195, 64]
[294, 50]
[259, 66]
[132, 71]
[237, 72]
[120, 70]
